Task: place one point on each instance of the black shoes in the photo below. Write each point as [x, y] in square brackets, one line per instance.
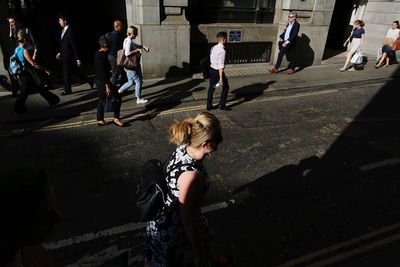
[91, 84]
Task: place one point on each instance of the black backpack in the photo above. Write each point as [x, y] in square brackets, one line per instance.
[152, 190]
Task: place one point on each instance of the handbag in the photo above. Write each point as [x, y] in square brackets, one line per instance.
[108, 104]
[127, 62]
[357, 58]
[396, 45]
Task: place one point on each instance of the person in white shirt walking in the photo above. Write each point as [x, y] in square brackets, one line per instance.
[217, 75]
[134, 75]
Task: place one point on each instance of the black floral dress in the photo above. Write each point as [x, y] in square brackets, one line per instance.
[166, 240]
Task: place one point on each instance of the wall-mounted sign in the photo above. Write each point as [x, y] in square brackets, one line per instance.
[234, 36]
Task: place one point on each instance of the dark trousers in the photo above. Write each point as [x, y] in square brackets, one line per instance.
[214, 79]
[116, 103]
[285, 51]
[26, 83]
[116, 70]
[70, 67]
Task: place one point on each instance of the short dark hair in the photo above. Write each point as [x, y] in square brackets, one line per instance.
[64, 17]
[222, 35]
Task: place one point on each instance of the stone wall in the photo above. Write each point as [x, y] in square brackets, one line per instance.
[165, 30]
[314, 17]
[378, 17]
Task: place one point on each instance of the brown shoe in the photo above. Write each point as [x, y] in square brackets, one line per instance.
[118, 122]
[290, 71]
[273, 70]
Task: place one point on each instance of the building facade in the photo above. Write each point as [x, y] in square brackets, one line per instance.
[181, 32]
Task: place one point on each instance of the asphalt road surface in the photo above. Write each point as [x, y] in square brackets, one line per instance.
[301, 179]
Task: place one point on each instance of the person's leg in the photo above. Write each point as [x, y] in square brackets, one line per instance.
[291, 58]
[102, 97]
[138, 83]
[67, 76]
[51, 98]
[19, 106]
[224, 93]
[383, 58]
[116, 106]
[282, 52]
[129, 83]
[114, 68]
[214, 78]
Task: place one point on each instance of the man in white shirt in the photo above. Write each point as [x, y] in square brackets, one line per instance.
[287, 42]
[217, 75]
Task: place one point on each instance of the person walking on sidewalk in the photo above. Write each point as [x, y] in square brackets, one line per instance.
[217, 74]
[117, 40]
[134, 75]
[69, 56]
[103, 84]
[30, 77]
[356, 40]
[181, 227]
[287, 44]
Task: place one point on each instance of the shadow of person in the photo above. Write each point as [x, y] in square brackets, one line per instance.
[303, 53]
[248, 93]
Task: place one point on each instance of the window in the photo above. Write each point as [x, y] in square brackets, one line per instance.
[212, 11]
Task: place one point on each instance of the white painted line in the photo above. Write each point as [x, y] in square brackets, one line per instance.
[341, 245]
[356, 251]
[379, 164]
[120, 229]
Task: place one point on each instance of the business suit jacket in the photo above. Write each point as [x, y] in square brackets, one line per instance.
[293, 33]
[68, 49]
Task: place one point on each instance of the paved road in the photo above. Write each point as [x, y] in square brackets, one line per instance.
[298, 176]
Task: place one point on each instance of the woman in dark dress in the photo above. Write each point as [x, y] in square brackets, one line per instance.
[104, 86]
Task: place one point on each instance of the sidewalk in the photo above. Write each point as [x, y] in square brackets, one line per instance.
[244, 81]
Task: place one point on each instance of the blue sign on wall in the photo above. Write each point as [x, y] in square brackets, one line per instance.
[234, 36]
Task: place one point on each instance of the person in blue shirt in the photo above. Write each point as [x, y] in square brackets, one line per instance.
[355, 40]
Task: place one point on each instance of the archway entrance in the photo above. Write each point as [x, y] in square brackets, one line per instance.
[339, 29]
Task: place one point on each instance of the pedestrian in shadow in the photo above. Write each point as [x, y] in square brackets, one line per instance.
[30, 77]
[107, 91]
[28, 214]
[117, 38]
[181, 227]
[69, 56]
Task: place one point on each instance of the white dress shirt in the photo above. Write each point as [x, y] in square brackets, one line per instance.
[287, 33]
[217, 57]
[63, 31]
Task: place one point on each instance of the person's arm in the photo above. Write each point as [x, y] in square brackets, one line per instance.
[190, 193]
[348, 39]
[361, 43]
[33, 63]
[221, 63]
[72, 42]
[34, 43]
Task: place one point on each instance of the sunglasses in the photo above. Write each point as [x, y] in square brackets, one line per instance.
[291, 17]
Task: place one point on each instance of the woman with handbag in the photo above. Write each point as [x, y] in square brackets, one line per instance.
[107, 92]
[134, 75]
[357, 39]
[30, 76]
[389, 46]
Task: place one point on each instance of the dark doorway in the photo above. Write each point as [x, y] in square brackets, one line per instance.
[339, 28]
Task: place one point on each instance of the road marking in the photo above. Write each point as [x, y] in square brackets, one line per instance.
[179, 110]
[379, 164]
[341, 245]
[356, 251]
[121, 229]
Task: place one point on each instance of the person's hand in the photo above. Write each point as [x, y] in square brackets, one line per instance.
[48, 72]
[108, 91]
[221, 82]
[359, 49]
[34, 56]
[284, 45]
[58, 56]
[78, 63]
[145, 48]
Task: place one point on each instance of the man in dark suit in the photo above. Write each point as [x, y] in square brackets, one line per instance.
[69, 56]
[287, 43]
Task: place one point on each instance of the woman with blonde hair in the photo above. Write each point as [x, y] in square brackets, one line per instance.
[355, 40]
[387, 54]
[181, 226]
